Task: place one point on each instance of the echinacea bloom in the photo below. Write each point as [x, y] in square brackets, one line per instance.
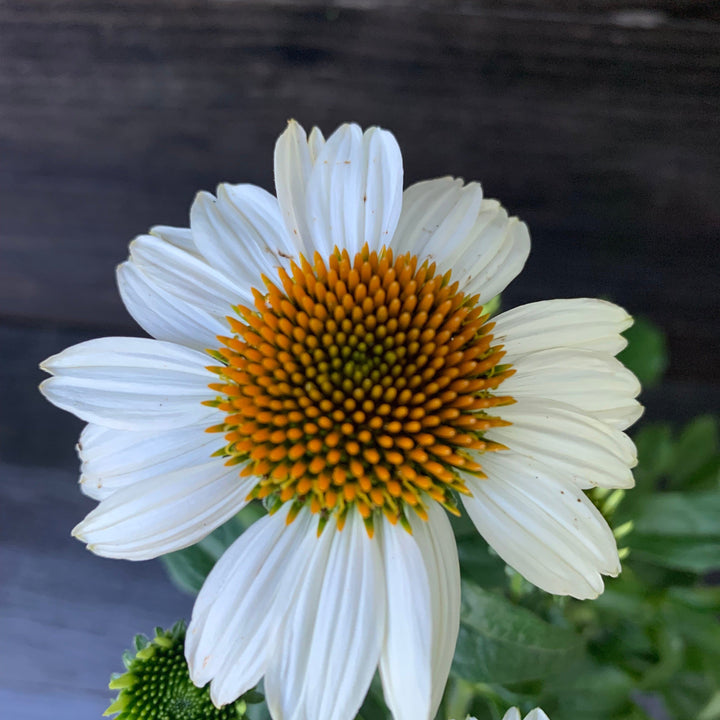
[355, 385]
[514, 714]
[156, 684]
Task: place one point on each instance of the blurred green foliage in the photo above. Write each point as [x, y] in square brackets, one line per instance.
[188, 568]
[646, 353]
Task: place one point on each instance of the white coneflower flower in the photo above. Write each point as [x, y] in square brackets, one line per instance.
[356, 386]
[514, 714]
[156, 684]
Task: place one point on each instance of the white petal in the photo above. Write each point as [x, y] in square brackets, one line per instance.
[131, 383]
[187, 277]
[621, 417]
[242, 605]
[512, 714]
[422, 575]
[453, 226]
[293, 162]
[581, 322]
[181, 238]
[334, 631]
[164, 316]
[435, 208]
[406, 660]
[165, 513]
[334, 192]
[113, 459]
[344, 192]
[241, 233]
[536, 714]
[543, 526]
[379, 210]
[284, 679]
[315, 141]
[493, 256]
[436, 541]
[588, 452]
[592, 381]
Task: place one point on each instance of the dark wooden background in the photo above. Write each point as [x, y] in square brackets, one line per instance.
[596, 122]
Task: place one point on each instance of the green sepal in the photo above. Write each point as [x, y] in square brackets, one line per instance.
[119, 682]
[145, 653]
[217, 356]
[118, 706]
[127, 658]
[164, 642]
[491, 307]
[322, 522]
[253, 697]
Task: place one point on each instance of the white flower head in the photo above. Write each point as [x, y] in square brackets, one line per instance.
[356, 386]
[514, 714]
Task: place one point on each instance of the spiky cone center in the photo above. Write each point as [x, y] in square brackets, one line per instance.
[363, 382]
[157, 684]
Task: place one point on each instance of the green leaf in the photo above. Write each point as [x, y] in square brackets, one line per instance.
[679, 530]
[687, 695]
[670, 650]
[623, 602]
[680, 514]
[697, 627]
[698, 598]
[679, 553]
[482, 709]
[655, 450]
[590, 692]
[502, 643]
[646, 354]
[253, 697]
[373, 708]
[706, 477]
[479, 564]
[711, 711]
[258, 711]
[696, 447]
[188, 568]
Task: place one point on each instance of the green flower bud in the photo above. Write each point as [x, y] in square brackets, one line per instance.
[157, 685]
[607, 501]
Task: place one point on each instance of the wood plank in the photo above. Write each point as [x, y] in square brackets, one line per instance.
[66, 615]
[596, 122]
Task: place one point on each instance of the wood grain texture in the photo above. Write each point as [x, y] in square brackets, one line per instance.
[66, 615]
[595, 122]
